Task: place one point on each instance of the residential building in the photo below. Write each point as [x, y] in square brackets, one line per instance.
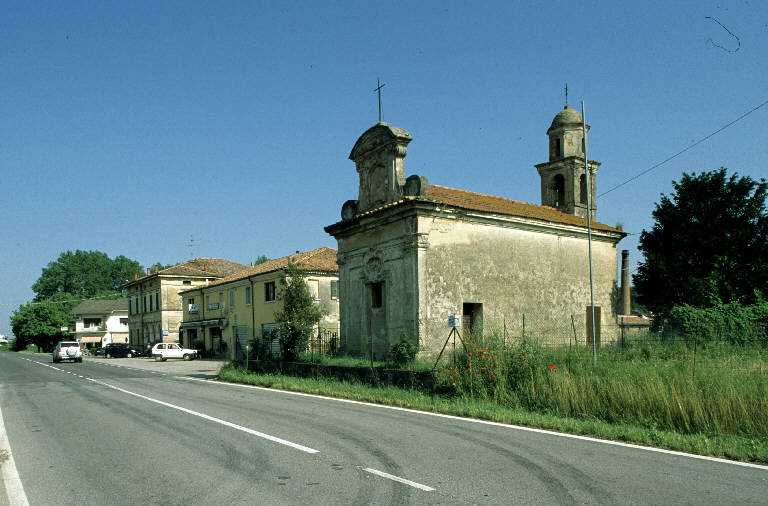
[412, 254]
[238, 308]
[100, 322]
[154, 304]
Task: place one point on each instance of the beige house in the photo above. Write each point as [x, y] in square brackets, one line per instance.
[411, 254]
[228, 313]
[100, 322]
[154, 304]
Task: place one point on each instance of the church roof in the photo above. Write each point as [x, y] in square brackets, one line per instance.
[493, 204]
[316, 260]
[498, 205]
[566, 117]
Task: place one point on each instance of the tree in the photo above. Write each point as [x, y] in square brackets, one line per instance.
[709, 243]
[299, 313]
[261, 259]
[40, 322]
[84, 274]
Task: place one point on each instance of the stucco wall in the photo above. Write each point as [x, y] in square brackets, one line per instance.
[383, 253]
[512, 272]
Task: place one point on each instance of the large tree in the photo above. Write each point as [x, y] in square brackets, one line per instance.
[85, 274]
[40, 323]
[709, 243]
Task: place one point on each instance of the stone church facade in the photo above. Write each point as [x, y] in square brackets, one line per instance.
[411, 253]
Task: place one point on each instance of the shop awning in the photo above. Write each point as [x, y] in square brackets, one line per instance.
[201, 323]
[91, 339]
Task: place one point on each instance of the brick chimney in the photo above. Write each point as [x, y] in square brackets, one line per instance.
[149, 271]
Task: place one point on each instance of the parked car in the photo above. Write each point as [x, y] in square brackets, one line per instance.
[164, 351]
[98, 351]
[67, 350]
[119, 350]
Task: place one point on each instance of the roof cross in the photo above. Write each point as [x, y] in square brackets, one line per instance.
[566, 93]
[378, 90]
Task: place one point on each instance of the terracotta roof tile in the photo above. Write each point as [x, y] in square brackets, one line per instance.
[204, 267]
[493, 204]
[316, 260]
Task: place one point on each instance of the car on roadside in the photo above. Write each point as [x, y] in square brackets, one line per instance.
[67, 350]
[120, 350]
[164, 351]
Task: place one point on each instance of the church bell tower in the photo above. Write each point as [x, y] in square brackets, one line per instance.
[563, 179]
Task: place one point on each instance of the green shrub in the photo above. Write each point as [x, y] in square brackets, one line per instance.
[733, 323]
[404, 351]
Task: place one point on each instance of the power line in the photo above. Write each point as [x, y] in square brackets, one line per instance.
[686, 149]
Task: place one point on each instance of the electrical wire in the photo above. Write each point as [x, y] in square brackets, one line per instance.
[686, 149]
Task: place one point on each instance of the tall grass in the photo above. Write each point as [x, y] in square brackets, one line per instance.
[652, 385]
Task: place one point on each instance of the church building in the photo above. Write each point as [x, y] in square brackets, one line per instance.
[411, 253]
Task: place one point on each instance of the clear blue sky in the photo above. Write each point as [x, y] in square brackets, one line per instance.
[127, 127]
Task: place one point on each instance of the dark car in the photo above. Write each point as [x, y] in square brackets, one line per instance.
[118, 350]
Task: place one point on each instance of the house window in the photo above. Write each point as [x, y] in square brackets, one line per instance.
[150, 303]
[583, 189]
[191, 300]
[91, 322]
[123, 321]
[186, 282]
[269, 291]
[130, 305]
[377, 295]
[145, 304]
[334, 288]
[157, 301]
[208, 300]
[136, 305]
[247, 295]
[231, 298]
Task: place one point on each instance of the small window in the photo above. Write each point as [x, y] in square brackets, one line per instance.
[191, 300]
[150, 303]
[269, 291]
[377, 295]
[231, 298]
[123, 321]
[157, 301]
[334, 288]
[186, 282]
[247, 295]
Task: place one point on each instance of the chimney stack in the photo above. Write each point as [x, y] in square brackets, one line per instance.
[149, 271]
[157, 266]
[135, 276]
[625, 297]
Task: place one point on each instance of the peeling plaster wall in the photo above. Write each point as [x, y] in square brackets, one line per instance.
[512, 272]
[381, 253]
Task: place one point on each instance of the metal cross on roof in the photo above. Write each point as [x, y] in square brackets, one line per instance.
[566, 93]
[378, 90]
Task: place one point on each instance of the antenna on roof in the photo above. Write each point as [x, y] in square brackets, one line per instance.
[191, 246]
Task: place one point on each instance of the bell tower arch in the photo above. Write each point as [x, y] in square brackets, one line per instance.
[563, 179]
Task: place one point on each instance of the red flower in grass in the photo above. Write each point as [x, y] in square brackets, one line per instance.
[552, 367]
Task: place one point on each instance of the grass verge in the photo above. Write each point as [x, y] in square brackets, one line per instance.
[727, 446]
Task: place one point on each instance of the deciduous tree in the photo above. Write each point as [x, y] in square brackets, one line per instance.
[40, 322]
[709, 243]
[299, 313]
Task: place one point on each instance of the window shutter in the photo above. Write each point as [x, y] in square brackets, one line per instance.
[335, 288]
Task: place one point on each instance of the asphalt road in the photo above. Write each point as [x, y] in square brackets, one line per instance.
[138, 432]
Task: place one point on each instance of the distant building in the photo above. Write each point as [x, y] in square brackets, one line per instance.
[411, 254]
[232, 311]
[99, 322]
[154, 304]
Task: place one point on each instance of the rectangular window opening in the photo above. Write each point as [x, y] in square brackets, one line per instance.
[377, 295]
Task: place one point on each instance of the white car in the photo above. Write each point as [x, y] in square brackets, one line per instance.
[164, 351]
[67, 350]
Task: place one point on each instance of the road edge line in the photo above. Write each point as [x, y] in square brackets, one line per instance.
[14, 489]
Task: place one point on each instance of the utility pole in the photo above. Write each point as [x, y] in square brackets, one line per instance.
[589, 232]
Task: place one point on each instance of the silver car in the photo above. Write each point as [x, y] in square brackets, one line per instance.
[67, 350]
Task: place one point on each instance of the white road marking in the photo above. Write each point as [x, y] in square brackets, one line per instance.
[398, 479]
[13, 487]
[211, 418]
[496, 424]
